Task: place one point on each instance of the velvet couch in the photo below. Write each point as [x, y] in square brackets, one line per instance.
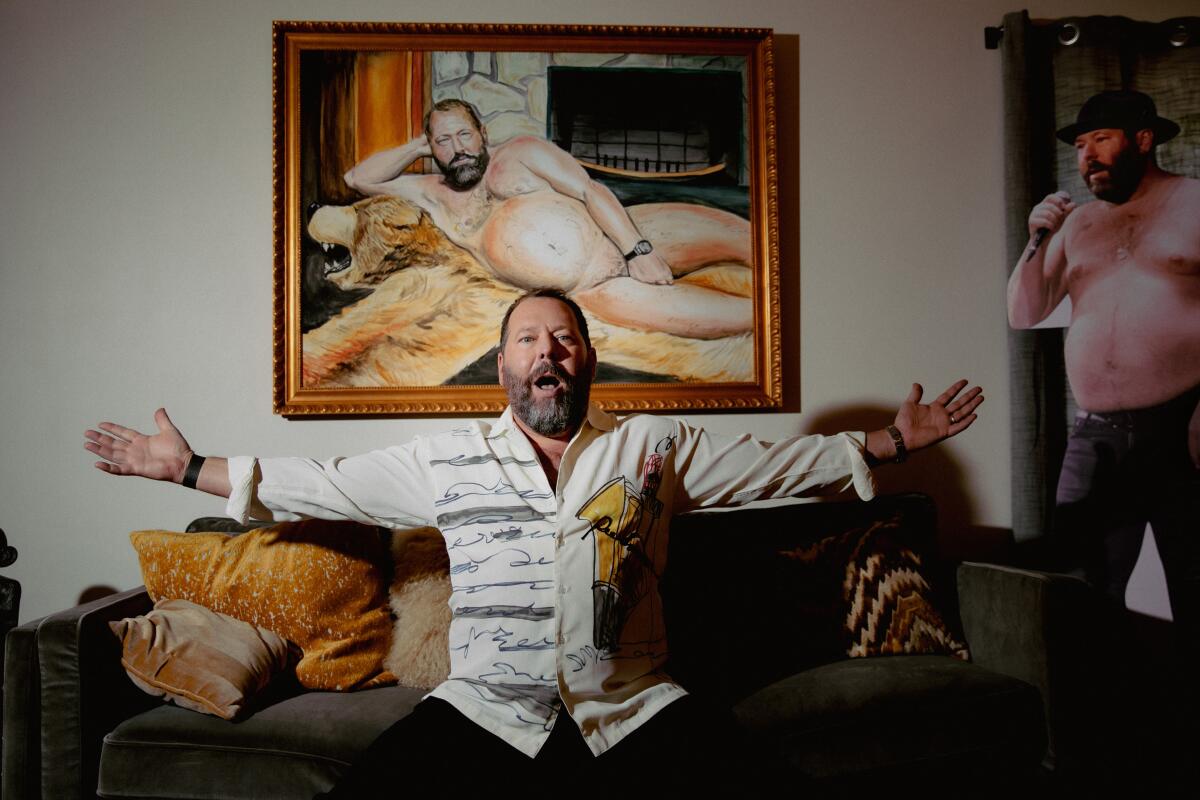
[76, 727]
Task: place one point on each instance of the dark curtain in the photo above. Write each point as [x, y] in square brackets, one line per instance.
[1050, 68]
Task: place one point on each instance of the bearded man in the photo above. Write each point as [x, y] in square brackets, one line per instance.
[1130, 262]
[532, 506]
[528, 212]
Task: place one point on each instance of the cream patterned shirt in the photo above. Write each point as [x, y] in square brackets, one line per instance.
[555, 589]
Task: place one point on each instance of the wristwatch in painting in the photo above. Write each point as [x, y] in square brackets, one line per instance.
[642, 248]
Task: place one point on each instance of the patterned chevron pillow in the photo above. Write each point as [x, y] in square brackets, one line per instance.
[887, 604]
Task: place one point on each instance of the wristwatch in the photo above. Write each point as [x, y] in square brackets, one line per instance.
[642, 248]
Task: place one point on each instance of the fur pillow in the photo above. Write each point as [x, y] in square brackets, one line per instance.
[199, 659]
[320, 584]
[419, 655]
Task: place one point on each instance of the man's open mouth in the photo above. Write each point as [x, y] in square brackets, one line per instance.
[547, 382]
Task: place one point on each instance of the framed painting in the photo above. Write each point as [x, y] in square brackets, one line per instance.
[425, 175]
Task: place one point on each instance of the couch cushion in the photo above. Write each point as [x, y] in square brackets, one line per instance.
[293, 748]
[918, 713]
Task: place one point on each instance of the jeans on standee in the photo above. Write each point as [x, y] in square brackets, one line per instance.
[1121, 470]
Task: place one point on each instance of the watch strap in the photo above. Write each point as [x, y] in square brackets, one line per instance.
[898, 440]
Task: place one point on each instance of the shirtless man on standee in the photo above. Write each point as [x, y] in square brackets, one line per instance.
[528, 211]
[1130, 263]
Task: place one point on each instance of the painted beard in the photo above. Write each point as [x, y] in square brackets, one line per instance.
[1122, 178]
[551, 416]
[464, 171]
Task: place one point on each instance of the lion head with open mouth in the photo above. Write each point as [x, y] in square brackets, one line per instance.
[374, 238]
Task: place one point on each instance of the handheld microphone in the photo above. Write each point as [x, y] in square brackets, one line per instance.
[1039, 236]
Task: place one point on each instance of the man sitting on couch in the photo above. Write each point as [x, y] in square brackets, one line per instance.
[556, 520]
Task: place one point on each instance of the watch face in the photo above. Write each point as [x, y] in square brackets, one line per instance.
[639, 249]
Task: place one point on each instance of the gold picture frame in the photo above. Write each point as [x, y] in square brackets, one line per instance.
[378, 310]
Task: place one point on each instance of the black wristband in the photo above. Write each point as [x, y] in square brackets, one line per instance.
[898, 440]
[192, 473]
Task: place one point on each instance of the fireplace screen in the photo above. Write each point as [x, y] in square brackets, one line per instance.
[652, 124]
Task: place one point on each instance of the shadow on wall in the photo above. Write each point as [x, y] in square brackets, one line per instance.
[934, 472]
[95, 593]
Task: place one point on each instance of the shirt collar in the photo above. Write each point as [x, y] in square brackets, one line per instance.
[600, 419]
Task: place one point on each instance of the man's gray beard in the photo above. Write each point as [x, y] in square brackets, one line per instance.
[557, 415]
[465, 175]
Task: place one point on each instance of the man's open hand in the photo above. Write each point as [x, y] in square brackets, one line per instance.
[161, 457]
[924, 424]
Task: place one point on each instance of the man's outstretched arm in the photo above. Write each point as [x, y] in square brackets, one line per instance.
[387, 487]
[163, 456]
[721, 470]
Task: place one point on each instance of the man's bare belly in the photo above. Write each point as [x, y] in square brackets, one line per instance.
[545, 239]
[1134, 339]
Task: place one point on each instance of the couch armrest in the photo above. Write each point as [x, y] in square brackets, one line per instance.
[22, 719]
[83, 690]
[1036, 626]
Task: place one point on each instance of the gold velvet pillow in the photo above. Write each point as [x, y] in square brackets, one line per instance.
[420, 595]
[199, 659]
[322, 585]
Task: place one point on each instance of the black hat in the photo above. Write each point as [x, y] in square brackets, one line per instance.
[1128, 111]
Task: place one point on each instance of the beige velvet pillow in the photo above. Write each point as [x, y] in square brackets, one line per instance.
[322, 585]
[199, 659]
[420, 596]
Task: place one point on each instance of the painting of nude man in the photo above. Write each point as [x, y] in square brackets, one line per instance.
[428, 175]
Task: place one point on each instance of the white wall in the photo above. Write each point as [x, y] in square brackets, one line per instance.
[135, 241]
